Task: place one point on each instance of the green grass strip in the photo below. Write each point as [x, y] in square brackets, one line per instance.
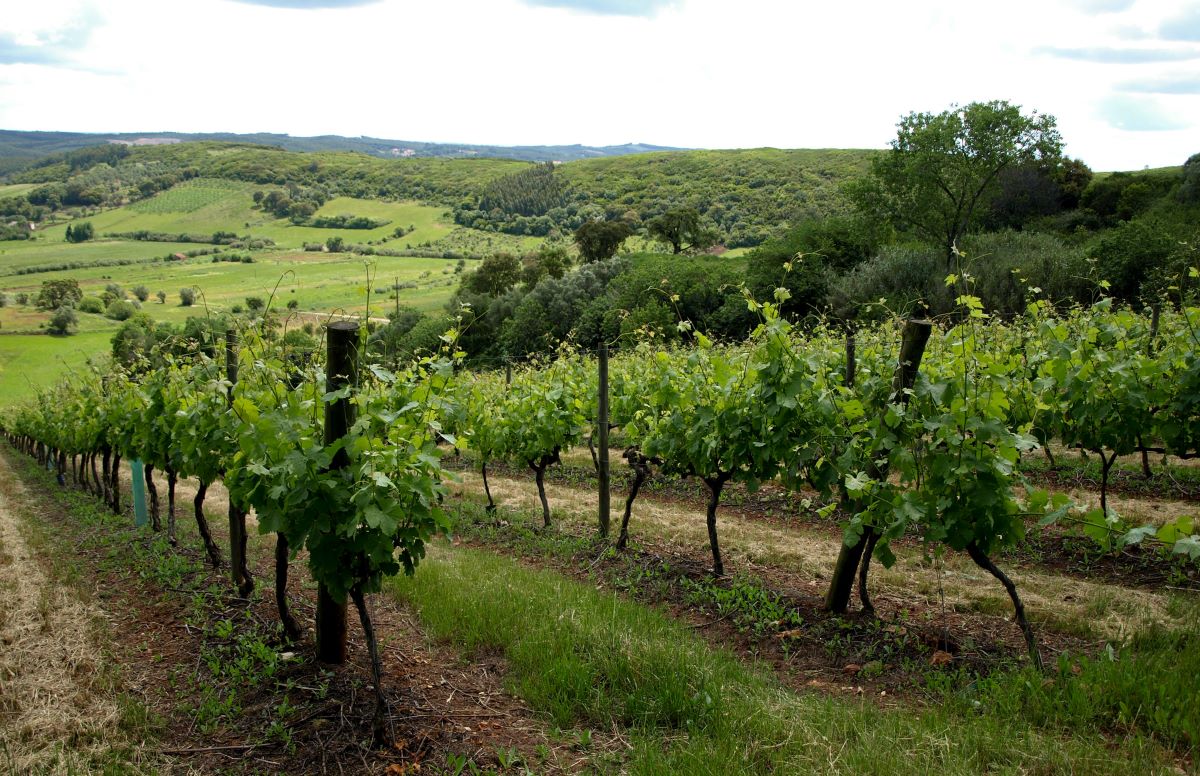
[584, 656]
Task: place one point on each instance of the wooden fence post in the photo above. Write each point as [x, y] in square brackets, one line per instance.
[341, 369]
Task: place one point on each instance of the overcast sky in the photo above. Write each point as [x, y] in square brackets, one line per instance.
[1121, 76]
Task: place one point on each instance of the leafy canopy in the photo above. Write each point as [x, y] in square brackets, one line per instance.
[943, 168]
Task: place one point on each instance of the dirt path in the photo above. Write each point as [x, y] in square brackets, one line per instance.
[57, 713]
[442, 704]
[804, 556]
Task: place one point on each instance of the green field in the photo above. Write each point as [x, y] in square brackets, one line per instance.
[28, 362]
[14, 189]
[319, 282]
[18, 255]
[203, 206]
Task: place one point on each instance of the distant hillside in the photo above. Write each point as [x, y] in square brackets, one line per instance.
[751, 195]
[748, 195]
[17, 148]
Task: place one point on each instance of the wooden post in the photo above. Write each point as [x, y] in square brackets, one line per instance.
[851, 359]
[602, 428]
[912, 349]
[341, 369]
[239, 571]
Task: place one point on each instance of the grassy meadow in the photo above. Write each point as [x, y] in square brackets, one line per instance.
[204, 206]
[319, 282]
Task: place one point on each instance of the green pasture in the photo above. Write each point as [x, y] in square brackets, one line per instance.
[320, 283]
[41, 252]
[16, 189]
[204, 206]
[30, 361]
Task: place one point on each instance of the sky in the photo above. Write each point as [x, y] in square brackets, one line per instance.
[1122, 77]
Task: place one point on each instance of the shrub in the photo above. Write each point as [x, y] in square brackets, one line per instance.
[187, 297]
[62, 321]
[903, 278]
[141, 292]
[77, 233]
[91, 304]
[1130, 253]
[162, 296]
[1006, 265]
[120, 310]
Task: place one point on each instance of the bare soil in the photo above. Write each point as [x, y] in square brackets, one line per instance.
[440, 705]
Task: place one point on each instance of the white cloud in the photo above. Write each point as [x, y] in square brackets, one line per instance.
[701, 73]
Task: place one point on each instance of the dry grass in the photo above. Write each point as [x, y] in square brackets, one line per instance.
[1137, 510]
[57, 714]
[1071, 605]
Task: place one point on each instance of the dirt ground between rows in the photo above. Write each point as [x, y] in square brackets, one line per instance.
[441, 704]
[53, 696]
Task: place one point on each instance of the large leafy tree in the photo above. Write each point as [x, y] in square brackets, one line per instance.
[600, 240]
[683, 229]
[59, 293]
[942, 168]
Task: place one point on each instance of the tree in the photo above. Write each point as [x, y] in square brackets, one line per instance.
[496, 275]
[162, 297]
[141, 292]
[80, 232]
[63, 320]
[683, 229]
[600, 240]
[120, 310]
[255, 303]
[550, 261]
[59, 293]
[1189, 190]
[187, 297]
[136, 338]
[943, 168]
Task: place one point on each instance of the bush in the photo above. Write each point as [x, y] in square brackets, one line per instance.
[141, 292]
[91, 304]
[187, 297]
[1006, 265]
[120, 310]
[77, 233]
[62, 321]
[1129, 254]
[903, 278]
[162, 296]
[1189, 189]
